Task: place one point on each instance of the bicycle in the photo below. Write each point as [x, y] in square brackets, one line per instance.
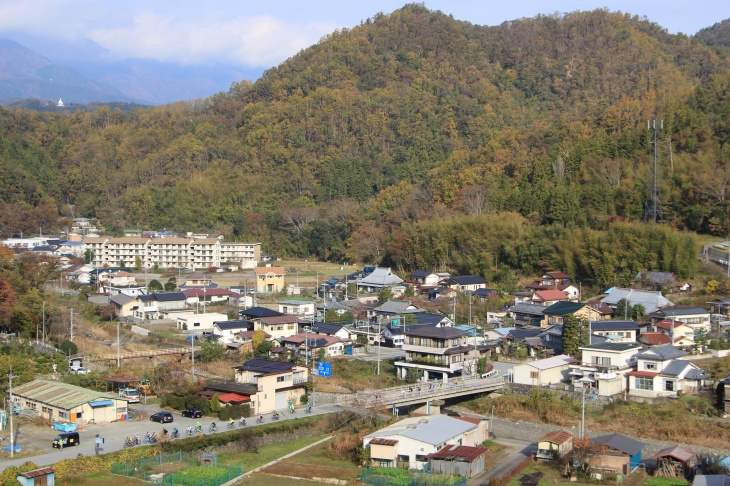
[231, 425]
[242, 422]
[189, 431]
[136, 440]
[128, 442]
[275, 416]
[198, 429]
[175, 434]
[292, 411]
[213, 427]
[260, 420]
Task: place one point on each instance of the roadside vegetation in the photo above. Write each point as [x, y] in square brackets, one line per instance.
[689, 419]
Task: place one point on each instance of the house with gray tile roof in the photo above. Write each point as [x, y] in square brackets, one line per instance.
[650, 300]
[661, 372]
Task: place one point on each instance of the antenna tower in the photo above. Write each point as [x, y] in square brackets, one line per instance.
[653, 206]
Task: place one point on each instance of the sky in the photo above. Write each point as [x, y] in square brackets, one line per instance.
[263, 34]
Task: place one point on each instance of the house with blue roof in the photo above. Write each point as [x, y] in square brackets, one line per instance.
[616, 331]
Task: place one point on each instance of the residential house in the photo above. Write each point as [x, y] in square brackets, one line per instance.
[208, 295]
[653, 339]
[464, 283]
[227, 331]
[258, 312]
[197, 280]
[121, 278]
[442, 293]
[543, 372]
[548, 297]
[720, 309]
[550, 281]
[660, 372]
[393, 308]
[528, 314]
[677, 333]
[656, 280]
[648, 299]
[605, 311]
[124, 305]
[603, 367]
[423, 279]
[309, 345]
[278, 385]
[301, 308]
[408, 442]
[555, 444]
[326, 306]
[615, 454]
[199, 323]
[270, 279]
[278, 326]
[485, 294]
[697, 318]
[557, 312]
[527, 337]
[379, 278]
[337, 330]
[616, 331]
[170, 301]
[148, 308]
[441, 352]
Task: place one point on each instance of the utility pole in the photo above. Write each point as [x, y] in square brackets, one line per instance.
[44, 321]
[118, 357]
[380, 320]
[453, 316]
[583, 413]
[306, 348]
[192, 357]
[346, 280]
[11, 407]
[71, 325]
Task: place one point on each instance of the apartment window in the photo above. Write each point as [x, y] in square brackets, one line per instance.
[290, 327]
[644, 383]
[424, 342]
[456, 358]
[534, 375]
[280, 379]
[650, 366]
[602, 360]
[668, 385]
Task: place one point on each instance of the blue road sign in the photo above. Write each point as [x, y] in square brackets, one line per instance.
[324, 369]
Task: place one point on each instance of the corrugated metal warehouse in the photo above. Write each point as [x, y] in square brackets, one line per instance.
[68, 403]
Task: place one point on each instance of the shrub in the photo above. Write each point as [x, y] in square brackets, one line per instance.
[234, 411]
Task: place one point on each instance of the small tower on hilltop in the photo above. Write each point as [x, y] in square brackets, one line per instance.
[60, 103]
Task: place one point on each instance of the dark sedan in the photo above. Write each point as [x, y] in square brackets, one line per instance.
[161, 417]
[192, 413]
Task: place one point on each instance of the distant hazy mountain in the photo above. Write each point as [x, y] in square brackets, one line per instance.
[143, 80]
[26, 74]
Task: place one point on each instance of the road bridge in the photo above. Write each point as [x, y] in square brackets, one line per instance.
[424, 392]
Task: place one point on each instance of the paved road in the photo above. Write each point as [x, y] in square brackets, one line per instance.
[115, 433]
[521, 450]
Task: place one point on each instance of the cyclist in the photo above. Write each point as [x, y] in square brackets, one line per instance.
[261, 417]
[198, 426]
[175, 433]
[213, 427]
[242, 422]
[231, 423]
[309, 408]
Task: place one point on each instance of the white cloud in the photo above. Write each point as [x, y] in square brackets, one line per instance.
[254, 41]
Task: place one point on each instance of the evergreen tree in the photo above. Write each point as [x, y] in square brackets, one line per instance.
[575, 335]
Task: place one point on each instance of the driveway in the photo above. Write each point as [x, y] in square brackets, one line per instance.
[521, 450]
[114, 434]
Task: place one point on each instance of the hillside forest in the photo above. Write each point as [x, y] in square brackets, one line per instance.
[418, 141]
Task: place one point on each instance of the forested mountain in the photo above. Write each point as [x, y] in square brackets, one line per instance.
[416, 140]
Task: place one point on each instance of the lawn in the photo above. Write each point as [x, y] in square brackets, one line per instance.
[93, 479]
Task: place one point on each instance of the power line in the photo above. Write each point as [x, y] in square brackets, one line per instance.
[653, 206]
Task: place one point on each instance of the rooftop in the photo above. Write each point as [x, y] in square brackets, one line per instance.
[57, 394]
[435, 429]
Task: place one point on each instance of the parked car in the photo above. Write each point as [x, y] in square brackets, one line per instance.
[161, 417]
[192, 413]
[79, 370]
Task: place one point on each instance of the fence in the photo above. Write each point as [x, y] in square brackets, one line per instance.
[176, 468]
[405, 477]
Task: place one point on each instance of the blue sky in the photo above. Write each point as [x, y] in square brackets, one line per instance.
[263, 34]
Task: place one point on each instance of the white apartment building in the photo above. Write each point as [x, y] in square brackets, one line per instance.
[170, 252]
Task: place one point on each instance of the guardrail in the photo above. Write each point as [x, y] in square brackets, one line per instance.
[137, 354]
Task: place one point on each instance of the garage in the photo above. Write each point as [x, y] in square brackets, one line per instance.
[101, 411]
[281, 401]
